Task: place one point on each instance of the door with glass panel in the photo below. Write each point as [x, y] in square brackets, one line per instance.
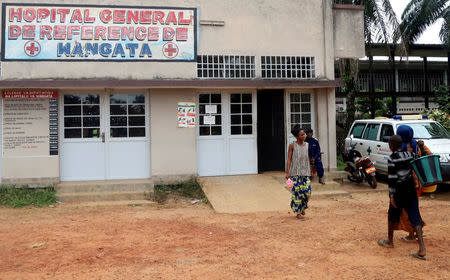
[104, 136]
[226, 134]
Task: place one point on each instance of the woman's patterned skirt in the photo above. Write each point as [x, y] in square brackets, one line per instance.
[301, 191]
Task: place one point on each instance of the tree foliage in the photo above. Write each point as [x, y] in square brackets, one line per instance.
[383, 107]
[443, 98]
[420, 14]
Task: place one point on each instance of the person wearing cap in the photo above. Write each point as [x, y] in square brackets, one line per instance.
[315, 154]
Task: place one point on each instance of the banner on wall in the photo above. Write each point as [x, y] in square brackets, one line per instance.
[29, 123]
[186, 114]
[98, 33]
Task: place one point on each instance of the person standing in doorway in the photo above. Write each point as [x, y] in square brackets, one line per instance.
[299, 171]
[315, 155]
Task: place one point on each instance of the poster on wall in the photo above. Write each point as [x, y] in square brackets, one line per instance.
[26, 122]
[186, 114]
[52, 32]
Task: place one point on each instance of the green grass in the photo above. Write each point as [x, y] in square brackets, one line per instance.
[12, 196]
[189, 189]
[340, 163]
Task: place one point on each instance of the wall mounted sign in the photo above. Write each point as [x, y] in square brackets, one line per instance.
[30, 120]
[211, 109]
[98, 33]
[186, 114]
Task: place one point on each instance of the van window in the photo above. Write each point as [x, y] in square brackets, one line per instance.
[358, 129]
[386, 132]
[371, 131]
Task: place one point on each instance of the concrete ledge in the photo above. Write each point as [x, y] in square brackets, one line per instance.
[30, 181]
[102, 196]
[348, 7]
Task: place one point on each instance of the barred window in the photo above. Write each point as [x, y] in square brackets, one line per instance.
[127, 115]
[225, 66]
[301, 110]
[241, 113]
[288, 67]
[81, 116]
[210, 114]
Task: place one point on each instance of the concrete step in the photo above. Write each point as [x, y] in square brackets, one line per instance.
[131, 203]
[102, 187]
[102, 196]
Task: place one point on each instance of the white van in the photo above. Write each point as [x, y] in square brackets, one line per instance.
[372, 138]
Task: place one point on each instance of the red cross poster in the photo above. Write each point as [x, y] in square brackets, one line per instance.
[186, 114]
[87, 32]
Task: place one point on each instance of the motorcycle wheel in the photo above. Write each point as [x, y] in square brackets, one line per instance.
[372, 182]
[351, 179]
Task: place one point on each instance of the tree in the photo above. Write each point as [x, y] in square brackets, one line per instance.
[380, 26]
[442, 94]
[382, 107]
[420, 14]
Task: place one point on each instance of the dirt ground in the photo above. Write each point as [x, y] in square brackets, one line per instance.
[183, 241]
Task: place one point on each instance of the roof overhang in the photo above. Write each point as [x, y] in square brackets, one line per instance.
[421, 50]
[90, 83]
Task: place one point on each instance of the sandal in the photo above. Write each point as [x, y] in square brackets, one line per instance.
[407, 240]
[385, 243]
[300, 218]
[416, 255]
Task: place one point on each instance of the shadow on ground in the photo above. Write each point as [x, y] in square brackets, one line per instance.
[442, 192]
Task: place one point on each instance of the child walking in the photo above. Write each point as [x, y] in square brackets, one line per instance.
[402, 194]
[298, 170]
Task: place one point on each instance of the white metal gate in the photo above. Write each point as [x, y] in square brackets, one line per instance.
[226, 134]
[104, 136]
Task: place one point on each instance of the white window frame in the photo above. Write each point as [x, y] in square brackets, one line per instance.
[104, 115]
[253, 96]
[222, 66]
[197, 117]
[287, 98]
[308, 67]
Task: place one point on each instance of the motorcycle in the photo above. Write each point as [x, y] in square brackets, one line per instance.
[359, 168]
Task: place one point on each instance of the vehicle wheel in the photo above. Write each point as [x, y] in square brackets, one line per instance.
[372, 182]
[350, 178]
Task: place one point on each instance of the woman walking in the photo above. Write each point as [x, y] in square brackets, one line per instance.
[299, 171]
[409, 144]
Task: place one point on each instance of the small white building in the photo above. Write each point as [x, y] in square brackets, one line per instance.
[120, 90]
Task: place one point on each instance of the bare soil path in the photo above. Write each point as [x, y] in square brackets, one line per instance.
[183, 241]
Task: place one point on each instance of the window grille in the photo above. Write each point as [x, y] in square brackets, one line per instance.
[81, 116]
[288, 67]
[127, 115]
[241, 113]
[225, 66]
[301, 110]
[210, 114]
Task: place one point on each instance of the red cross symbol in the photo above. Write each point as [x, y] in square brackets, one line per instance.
[170, 50]
[32, 48]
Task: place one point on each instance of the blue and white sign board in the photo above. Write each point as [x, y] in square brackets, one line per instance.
[49, 32]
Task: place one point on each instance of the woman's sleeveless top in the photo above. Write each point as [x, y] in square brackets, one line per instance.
[300, 160]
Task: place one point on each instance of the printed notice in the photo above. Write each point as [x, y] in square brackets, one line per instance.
[26, 127]
[186, 114]
[211, 109]
[209, 119]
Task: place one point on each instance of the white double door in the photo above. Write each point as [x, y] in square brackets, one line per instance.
[104, 136]
[226, 133]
